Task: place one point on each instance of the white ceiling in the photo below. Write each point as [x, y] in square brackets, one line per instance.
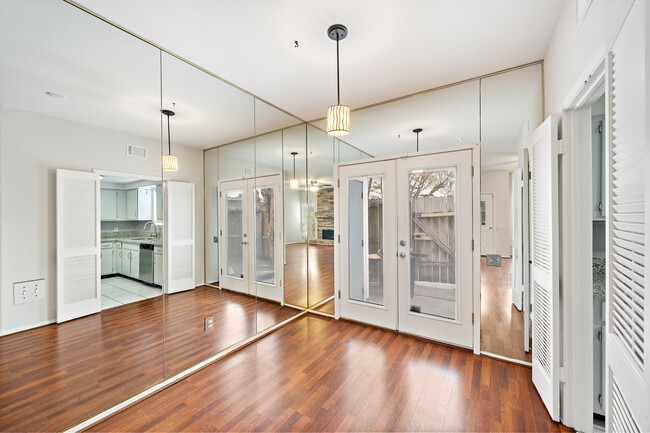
[393, 48]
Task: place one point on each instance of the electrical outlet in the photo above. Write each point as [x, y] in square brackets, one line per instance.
[29, 291]
[208, 323]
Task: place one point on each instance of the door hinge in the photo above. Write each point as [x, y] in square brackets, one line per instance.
[560, 147]
[600, 127]
[339, 294]
[219, 193]
[220, 232]
[361, 242]
[339, 238]
[530, 175]
[472, 318]
[472, 171]
[472, 244]
[338, 183]
[562, 374]
[221, 271]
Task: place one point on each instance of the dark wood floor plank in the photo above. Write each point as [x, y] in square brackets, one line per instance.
[318, 374]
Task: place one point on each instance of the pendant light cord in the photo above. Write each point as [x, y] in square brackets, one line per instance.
[294, 166]
[338, 85]
[169, 138]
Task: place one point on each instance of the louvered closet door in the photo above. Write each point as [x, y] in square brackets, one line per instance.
[545, 269]
[628, 339]
[179, 237]
[525, 245]
[78, 244]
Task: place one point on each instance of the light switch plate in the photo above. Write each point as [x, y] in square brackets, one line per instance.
[29, 291]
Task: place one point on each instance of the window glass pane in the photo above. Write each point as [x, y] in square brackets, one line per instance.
[433, 242]
[264, 235]
[365, 240]
[234, 228]
[482, 212]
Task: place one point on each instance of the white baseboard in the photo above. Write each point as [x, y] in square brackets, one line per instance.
[25, 328]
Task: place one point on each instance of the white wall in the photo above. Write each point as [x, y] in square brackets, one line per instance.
[499, 183]
[574, 50]
[32, 147]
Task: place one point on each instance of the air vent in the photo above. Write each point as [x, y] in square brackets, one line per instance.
[136, 151]
[248, 171]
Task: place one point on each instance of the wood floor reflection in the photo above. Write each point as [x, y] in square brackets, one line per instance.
[318, 374]
[502, 325]
[321, 274]
[54, 376]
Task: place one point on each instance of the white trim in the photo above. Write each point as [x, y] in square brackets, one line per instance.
[505, 358]
[476, 254]
[27, 328]
[175, 378]
[125, 174]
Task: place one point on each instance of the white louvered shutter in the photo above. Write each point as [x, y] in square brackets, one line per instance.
[545, 269]
[628, 340]
[179, 237]
[78, 245]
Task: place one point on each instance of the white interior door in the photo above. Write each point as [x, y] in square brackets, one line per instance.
[78, 244]
[545, 270]
[517, 245]
[266, 254]
[367, 212]
[234, 201]
[628, 162]
[525, 253]
[487, 224]
[179, 245]
[434, 208]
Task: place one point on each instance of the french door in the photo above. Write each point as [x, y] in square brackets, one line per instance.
[250, 227]
[406, 245]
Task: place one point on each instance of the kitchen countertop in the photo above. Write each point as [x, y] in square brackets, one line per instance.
[152, 241]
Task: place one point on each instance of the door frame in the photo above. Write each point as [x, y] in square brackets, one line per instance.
[576, 245]
[476, 227]
[493, 194]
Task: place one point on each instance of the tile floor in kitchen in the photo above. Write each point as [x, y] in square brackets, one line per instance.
[119, 291]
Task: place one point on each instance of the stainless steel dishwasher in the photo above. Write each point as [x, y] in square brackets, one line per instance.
[146, 263]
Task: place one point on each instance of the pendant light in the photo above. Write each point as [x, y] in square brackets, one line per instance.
[169, 161]
[338, 116]
[313, 186]
[417, 138]
[294, 182]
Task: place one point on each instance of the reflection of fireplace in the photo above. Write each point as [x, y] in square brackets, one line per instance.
[328, 234]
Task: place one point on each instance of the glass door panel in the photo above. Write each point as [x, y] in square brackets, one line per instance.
[432, 209]
[368, 243]
[264, 235]
[233, 229]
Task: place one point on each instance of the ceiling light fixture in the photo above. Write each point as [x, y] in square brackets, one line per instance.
[294, 182]
[417, 138]
[338, 116]
[169, 161]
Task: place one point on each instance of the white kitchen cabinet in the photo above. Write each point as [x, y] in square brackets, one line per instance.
[117, 257]
[131, 260]
[132, 204]
[158, 266]
[135, 264]
[159, 202]
[121, 204]
[145, 204]
[107, 258]
[108, 204]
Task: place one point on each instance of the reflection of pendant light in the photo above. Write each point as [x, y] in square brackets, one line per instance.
[294, 182]
[338, 116]
[313, 186]
[169, 161]
[417, 138]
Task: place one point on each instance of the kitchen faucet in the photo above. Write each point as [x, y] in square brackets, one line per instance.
[153, 224]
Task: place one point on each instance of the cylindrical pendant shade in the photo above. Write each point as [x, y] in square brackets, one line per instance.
[294, 183]
[338, 120]
[169, 163]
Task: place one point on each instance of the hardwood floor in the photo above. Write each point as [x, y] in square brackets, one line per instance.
[321, 274]
[318, 374]
[327, 307]
[502, 325]
[54, 376]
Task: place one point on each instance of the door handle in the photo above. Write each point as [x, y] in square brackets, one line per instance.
[402, 255]
[244, 243]
[402, 243]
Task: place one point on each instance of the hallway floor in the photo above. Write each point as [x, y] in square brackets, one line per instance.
[502, 325]
[318, 374]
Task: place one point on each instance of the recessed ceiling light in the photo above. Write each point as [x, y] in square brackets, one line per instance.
[55, 95]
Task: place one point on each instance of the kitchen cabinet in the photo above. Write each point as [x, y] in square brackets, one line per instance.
[131, 260]
[108, 204]
[107, 258]
[117, 256]
[139, 204]
[120, 196]
[159, 202]
[158, 266]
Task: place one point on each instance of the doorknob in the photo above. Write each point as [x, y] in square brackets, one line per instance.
[244, 243]
[402, 243]
[245, 234]
[402, 255]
